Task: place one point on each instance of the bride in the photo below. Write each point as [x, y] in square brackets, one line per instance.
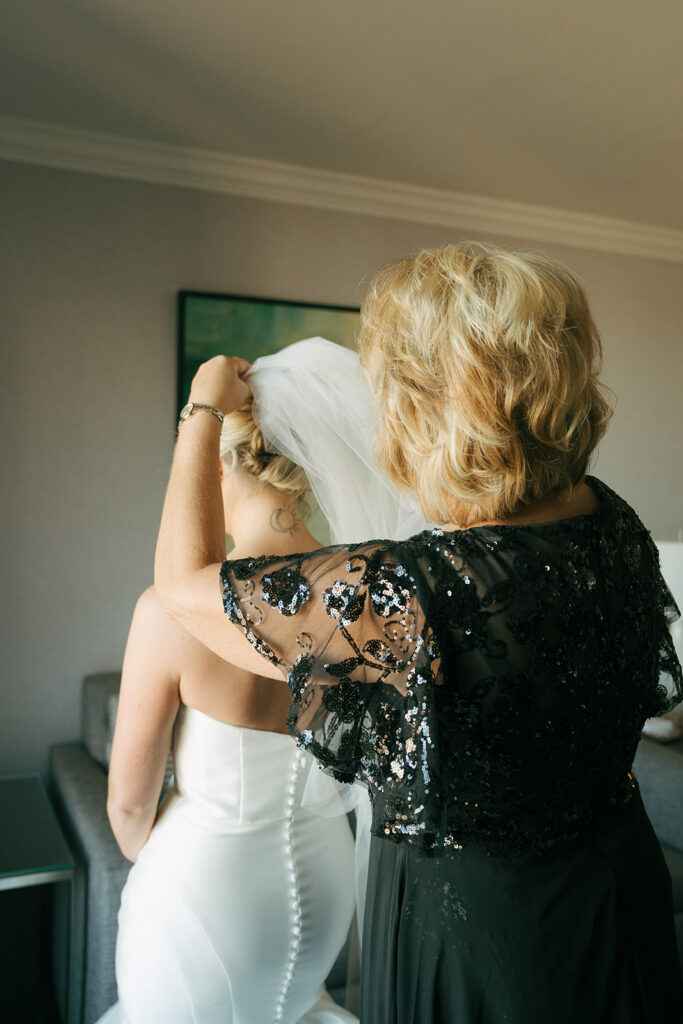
[242, 891]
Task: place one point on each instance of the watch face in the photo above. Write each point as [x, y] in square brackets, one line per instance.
[186, 410]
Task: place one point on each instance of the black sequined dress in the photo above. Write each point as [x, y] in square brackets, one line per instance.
[489, 686]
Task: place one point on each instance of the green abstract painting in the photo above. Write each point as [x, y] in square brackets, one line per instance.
[209, 325]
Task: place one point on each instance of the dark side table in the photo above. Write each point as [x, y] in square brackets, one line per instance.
[33, 850]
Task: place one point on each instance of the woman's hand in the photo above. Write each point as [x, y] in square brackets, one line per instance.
[220, 382]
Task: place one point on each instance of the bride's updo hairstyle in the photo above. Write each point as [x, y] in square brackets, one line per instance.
[242, 445]
[485, 367]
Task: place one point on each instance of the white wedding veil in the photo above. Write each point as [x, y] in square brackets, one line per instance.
[313, 403]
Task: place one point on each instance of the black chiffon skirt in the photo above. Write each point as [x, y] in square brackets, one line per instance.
[584, 935]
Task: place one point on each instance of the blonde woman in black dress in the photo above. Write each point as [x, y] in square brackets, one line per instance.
[488, 679]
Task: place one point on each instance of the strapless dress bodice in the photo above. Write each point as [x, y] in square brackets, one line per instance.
[242, 777]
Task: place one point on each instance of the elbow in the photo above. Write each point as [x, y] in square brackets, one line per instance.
[121, 809]
[170, 589]
[130, 826]
[180, 596]
[170, 599]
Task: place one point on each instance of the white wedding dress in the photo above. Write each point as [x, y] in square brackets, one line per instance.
[242, 897]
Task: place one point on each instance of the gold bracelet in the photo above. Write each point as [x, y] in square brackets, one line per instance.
[192, 407]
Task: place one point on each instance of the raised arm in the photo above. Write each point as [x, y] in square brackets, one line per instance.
[148, 704]
[191, 544]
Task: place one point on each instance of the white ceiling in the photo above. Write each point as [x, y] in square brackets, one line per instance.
[575, 105]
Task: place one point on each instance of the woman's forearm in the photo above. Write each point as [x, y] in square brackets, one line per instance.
[191, 542]
[149, 699]
[192, 533]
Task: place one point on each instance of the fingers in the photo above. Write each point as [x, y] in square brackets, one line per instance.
[228, 365]
[242, 365]
[220, 382]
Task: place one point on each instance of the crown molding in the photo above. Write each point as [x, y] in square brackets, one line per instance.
[52, 145]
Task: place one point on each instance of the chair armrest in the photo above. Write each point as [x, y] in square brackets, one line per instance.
[79, 787]
[658, 768]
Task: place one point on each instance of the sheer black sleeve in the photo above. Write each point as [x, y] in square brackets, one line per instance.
[670, 689]
[345, 626]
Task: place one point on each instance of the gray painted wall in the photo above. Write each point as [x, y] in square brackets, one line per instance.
[90, 267]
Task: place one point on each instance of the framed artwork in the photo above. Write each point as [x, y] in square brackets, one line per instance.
[212, 324]
[236, 325]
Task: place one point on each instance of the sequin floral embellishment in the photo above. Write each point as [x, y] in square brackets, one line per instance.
[285, 589]
[388, 591]
[343, 602]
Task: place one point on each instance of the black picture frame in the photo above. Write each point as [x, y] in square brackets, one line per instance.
[210, 323]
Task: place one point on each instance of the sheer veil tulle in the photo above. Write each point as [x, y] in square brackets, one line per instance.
[313, 404]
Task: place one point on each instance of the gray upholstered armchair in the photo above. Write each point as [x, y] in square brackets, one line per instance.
[79, 789]
[659, 770]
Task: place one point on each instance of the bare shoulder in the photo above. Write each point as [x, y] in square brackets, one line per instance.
[150, 614]
[170, 638]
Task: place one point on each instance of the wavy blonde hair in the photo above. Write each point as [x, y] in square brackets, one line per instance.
[485, 366]
[242, 444]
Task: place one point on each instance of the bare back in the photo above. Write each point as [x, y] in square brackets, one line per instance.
[228, 693]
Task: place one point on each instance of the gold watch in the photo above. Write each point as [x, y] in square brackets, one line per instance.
[192, 407]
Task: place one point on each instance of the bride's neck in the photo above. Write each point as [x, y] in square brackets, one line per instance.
[268, 525]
